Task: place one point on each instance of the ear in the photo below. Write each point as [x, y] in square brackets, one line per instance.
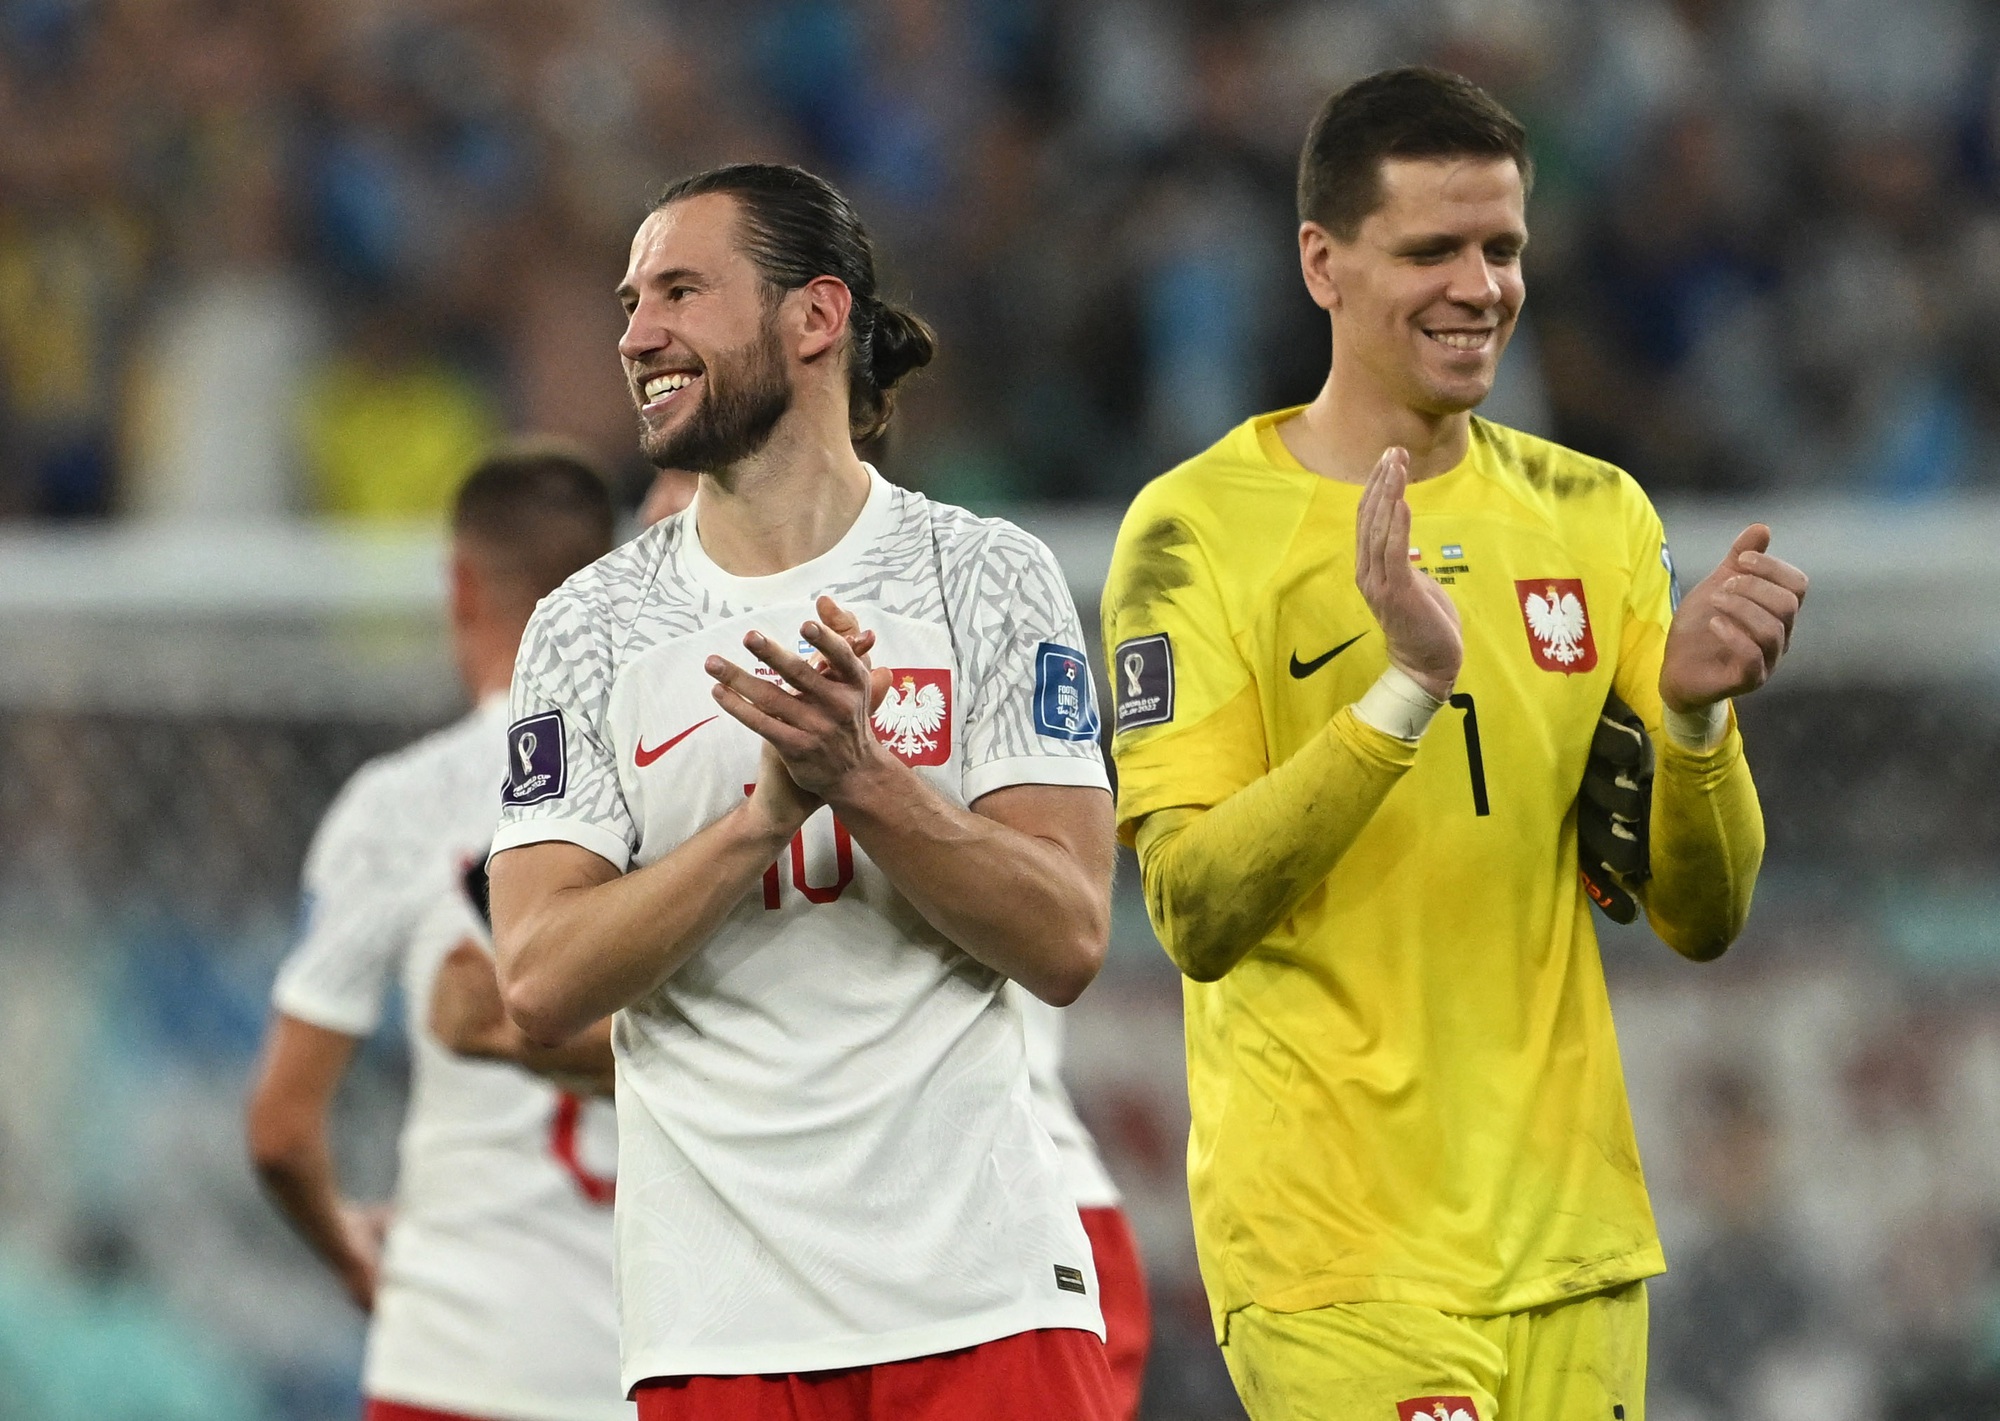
[822, 308]
[1318, 252]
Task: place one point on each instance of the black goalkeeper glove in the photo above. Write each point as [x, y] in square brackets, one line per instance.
[1614, 812]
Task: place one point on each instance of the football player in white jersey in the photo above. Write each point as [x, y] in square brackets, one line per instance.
[804, 889]
[468, 1015]
[491, 1296]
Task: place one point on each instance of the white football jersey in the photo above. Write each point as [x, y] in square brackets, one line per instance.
[829, 1156]
[496, 1292]
[1089, 1183]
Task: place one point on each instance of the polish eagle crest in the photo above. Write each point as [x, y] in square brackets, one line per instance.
[1438, 1408]
[910, 717]
[1558, 622]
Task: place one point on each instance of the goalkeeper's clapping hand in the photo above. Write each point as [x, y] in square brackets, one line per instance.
[1733, 626]
[1614, 811]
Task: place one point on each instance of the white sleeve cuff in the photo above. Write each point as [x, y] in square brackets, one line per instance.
[1396, 705]
[1083, 772]
[585, 835]
[1700, 731]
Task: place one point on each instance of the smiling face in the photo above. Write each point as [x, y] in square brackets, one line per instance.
[1425, 296]
[703, 355]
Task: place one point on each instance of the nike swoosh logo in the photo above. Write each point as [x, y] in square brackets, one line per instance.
[643, 757]
[1303, 669]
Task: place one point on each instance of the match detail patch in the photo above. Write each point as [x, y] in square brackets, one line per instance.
[537, 765]
[1558, 623]
[1069, 1280]
[1065, 704]
[1437, 1408]
[1142, 676]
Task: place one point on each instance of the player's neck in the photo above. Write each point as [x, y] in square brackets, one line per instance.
[786, 504]
[1343, 432]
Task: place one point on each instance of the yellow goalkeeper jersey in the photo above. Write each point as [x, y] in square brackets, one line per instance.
[1410, 1090]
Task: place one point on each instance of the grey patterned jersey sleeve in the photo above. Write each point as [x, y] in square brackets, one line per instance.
[361, 901]
[562, 767]
[1030, 711]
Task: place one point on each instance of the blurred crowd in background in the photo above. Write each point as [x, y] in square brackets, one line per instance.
[260, 256]
[289, 257]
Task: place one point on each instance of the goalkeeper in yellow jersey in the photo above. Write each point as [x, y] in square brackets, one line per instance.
[1359, 652]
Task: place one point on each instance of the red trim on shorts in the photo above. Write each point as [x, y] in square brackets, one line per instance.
[397, 1411]
[1121, 1293]
[1052, 1372]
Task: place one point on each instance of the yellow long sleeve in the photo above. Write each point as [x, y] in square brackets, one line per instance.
[1708, 842]
[1218, 880]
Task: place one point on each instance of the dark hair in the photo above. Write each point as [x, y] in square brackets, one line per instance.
[537, 510]
[1398, 113]
[797, 227]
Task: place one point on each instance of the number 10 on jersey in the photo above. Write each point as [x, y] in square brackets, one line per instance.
[843, 866]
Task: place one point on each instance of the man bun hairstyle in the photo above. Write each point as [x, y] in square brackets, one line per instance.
[534, 511]
[797, 227]
[1399, 113]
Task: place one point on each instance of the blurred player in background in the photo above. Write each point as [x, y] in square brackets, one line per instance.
[1415, 1184]
[489, 1296]
[834, 1198]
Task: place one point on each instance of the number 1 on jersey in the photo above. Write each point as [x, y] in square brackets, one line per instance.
[1475, 762]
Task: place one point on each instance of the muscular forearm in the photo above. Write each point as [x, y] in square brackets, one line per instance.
[572, 956]
[1707, 844]
[1021, 904]
[1218, 880]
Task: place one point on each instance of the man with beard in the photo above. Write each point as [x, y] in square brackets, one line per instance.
[804, 887]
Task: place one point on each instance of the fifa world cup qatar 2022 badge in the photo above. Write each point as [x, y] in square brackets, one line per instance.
[1142, 682]
[1437, 1408]
[914, 719]
[537, 767]
[1558, 623]
[1065, 705]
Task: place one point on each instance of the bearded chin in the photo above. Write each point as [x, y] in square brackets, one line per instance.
[734, 419]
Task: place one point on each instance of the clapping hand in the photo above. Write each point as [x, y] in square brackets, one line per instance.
[1733, 627]
[819, 730]
[1417, 618]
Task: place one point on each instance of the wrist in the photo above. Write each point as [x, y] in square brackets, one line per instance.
[1399, 704]
[1433, 684]
[1700, 729]
[770, 826]
[866, 783]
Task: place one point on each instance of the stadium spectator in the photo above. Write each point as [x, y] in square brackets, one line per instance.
[1699, 159]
